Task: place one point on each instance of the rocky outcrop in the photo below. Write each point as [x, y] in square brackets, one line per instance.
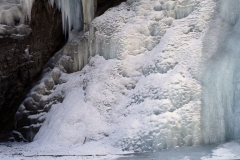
[22, 59]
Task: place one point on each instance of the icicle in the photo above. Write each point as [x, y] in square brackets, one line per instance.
[88, 12]
[28, 4]
[71, 15]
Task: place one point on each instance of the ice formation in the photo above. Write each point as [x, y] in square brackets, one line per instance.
[13, 14]
[72, 15]
[131, 36]
[89, 8]
[221, 105]
[15, 10]
[162, 74]
[76, 14]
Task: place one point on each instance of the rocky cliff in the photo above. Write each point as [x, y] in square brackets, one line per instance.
[22, 58]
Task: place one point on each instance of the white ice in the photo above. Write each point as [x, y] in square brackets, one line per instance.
[157, 79]
[140, 93]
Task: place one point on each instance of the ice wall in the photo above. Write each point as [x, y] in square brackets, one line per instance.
[221, 92]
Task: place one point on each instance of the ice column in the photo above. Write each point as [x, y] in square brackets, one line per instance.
[221, 82]
[28, 4]
[89, 7]
[11, 10]
[71, 15]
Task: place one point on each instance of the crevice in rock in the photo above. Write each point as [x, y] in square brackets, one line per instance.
[103, 5]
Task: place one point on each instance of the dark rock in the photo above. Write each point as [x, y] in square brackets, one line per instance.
[103, 5]
[16, 137]
[23, 57]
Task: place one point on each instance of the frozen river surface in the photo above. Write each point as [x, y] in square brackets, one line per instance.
[228, 150]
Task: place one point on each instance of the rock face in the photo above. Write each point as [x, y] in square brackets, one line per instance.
[22, 59]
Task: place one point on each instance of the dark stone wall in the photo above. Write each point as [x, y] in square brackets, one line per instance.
[17, 69]
[103, 5]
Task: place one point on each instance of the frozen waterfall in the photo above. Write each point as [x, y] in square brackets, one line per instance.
[221, 79]
[147, 72]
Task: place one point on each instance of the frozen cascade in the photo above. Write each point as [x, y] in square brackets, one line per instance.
[221, 81]
[149, 76]
[124, 34]
[72, 15]
[76, 14]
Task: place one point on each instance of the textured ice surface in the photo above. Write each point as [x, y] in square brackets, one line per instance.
[135, 27]
[157, 79]
[142, 95]
[221, 105]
